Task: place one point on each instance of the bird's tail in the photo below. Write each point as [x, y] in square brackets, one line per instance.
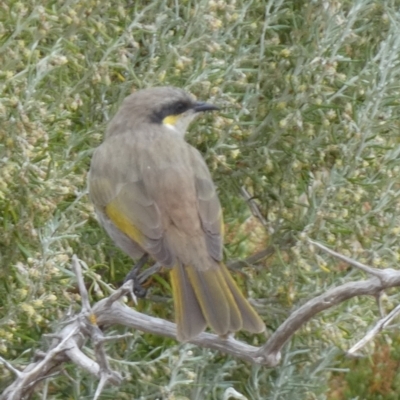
[210, 297]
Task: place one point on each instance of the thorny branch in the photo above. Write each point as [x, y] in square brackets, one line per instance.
[67, 343]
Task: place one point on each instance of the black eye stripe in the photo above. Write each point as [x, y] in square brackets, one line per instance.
[174, 108]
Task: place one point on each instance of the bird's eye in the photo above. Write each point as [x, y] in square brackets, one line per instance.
[180, 107]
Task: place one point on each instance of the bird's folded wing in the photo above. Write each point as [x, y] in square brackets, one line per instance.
[120, 193]
[209, 207]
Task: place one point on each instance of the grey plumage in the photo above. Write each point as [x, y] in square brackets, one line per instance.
[153, 193]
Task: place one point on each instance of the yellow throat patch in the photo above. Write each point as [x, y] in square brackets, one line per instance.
[171, 120]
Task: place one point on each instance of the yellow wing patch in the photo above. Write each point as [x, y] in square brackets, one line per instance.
[123, 224]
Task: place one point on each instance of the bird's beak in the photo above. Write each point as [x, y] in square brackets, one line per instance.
[202, 106]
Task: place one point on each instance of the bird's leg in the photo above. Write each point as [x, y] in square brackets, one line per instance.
[133, 274]
[138, 288]
[149, 272]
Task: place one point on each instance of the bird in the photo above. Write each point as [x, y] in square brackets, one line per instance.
[154, 195]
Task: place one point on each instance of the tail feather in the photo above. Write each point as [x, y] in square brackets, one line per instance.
[216, 301]
[188, 314]
[210, 297]
[251, 320]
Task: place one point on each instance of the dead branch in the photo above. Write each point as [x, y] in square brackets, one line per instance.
[67, 343]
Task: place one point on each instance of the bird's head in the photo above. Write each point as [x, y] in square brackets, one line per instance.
[167, 106]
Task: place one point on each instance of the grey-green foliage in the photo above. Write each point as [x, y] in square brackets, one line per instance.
[309, 125]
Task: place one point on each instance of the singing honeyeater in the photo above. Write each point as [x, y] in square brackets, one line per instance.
[154, 194]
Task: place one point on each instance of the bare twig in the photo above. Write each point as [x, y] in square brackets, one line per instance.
[253, 206]
[350, 261]
[253, 258]
[124, 290]
[375, 330]
[100, 386]
[378, 299]
[10, 367]
[115, 337]
[81, 284]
